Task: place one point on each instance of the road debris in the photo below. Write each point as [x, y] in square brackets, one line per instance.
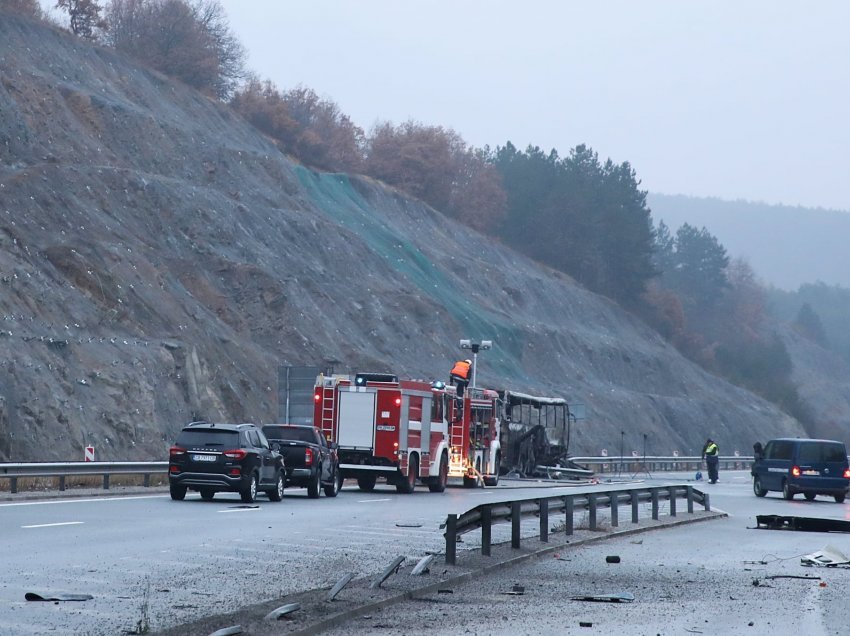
[283, 610]
[336, 589]
[516, 590]
[391, 569]
[803, 524]
[228, 631]
[830, 556]
[422, 567]
[32, 596]
[612, 559]
[622, 597]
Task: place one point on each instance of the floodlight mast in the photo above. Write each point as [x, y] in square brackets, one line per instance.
[475, 347]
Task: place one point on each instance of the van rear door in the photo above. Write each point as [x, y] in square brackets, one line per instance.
[773, 469]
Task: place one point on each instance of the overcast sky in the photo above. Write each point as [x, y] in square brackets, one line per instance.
[738, 100]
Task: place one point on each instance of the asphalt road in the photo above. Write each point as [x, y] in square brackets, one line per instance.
[703, 578]
[148, 561]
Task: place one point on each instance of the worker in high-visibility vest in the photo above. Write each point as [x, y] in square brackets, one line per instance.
[712, 459]
[459, 375]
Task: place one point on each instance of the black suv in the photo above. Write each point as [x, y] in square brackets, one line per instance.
[211, 458]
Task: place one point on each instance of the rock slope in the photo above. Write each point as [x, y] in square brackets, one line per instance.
[160, 259]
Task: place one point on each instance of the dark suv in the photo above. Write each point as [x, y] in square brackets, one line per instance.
[211, 458]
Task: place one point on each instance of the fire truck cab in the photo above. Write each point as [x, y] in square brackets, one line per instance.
[409, 431]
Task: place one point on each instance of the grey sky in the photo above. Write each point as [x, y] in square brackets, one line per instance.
[730, 99]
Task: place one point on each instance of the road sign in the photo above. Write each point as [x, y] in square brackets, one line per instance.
[89, 455]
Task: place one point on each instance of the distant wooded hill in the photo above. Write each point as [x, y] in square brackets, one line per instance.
[786, 246]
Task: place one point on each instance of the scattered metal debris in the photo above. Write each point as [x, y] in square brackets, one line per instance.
[422, 566]
[336, 589]
[793, 576]
[228, 631]
[622, 597]
[283, 610]
[612, 559]
[391, 569]
[401, 524]
[804, 524]
[585, 624]
[516, 590]
[828, 557]
[445, 590]
[32, 596]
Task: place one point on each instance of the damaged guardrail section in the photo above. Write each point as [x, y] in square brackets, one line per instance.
[13, 472]
[485, 515]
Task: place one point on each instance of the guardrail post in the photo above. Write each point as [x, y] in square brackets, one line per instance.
[672, 494]
[591, 509]
[516, 509]
[635, 510]
[13, 485]
[147, 481]
[655, 504]
[486, 530]
[706, 502]
[451, 539]
[106, 481]
[569, 509]
[614, 499]
[61, 483]
[690, 492]
[544, 520]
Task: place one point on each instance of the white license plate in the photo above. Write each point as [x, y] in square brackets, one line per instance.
[203, 458]
[811, 472]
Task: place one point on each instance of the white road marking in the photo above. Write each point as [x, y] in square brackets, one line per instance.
[372, 500]
[71, 501]
[53, 525]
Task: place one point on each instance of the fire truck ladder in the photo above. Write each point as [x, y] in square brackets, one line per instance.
[327, 406]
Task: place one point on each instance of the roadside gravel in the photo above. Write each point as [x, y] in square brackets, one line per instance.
[445, 591]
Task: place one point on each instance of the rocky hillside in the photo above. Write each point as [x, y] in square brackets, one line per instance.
[159, 259]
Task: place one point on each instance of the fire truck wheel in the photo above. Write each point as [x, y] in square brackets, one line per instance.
[366, 483]
[438, 483]
[313, 486]
[408, 484]
[493, 480]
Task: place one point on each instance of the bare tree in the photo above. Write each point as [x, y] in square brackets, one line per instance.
[85, 17]
[187, 39]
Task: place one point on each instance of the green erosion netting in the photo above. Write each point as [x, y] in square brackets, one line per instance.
[335, 195]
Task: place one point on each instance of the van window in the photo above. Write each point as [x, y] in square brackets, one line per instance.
[778, 449]
[820, 452]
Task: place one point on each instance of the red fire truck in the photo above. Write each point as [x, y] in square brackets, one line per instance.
[409, 431]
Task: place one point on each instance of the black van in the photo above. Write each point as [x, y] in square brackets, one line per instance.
[810, 466]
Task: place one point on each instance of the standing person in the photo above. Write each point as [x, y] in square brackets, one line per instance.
[712, 459]
[460, 375]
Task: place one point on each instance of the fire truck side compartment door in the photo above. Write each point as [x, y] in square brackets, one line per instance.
[426, 425]
[403, 423]
[356, 419]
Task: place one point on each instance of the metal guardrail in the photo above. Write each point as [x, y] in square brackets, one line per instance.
[13, 472]
[485, 515]
[601, 465]
[659, 463]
